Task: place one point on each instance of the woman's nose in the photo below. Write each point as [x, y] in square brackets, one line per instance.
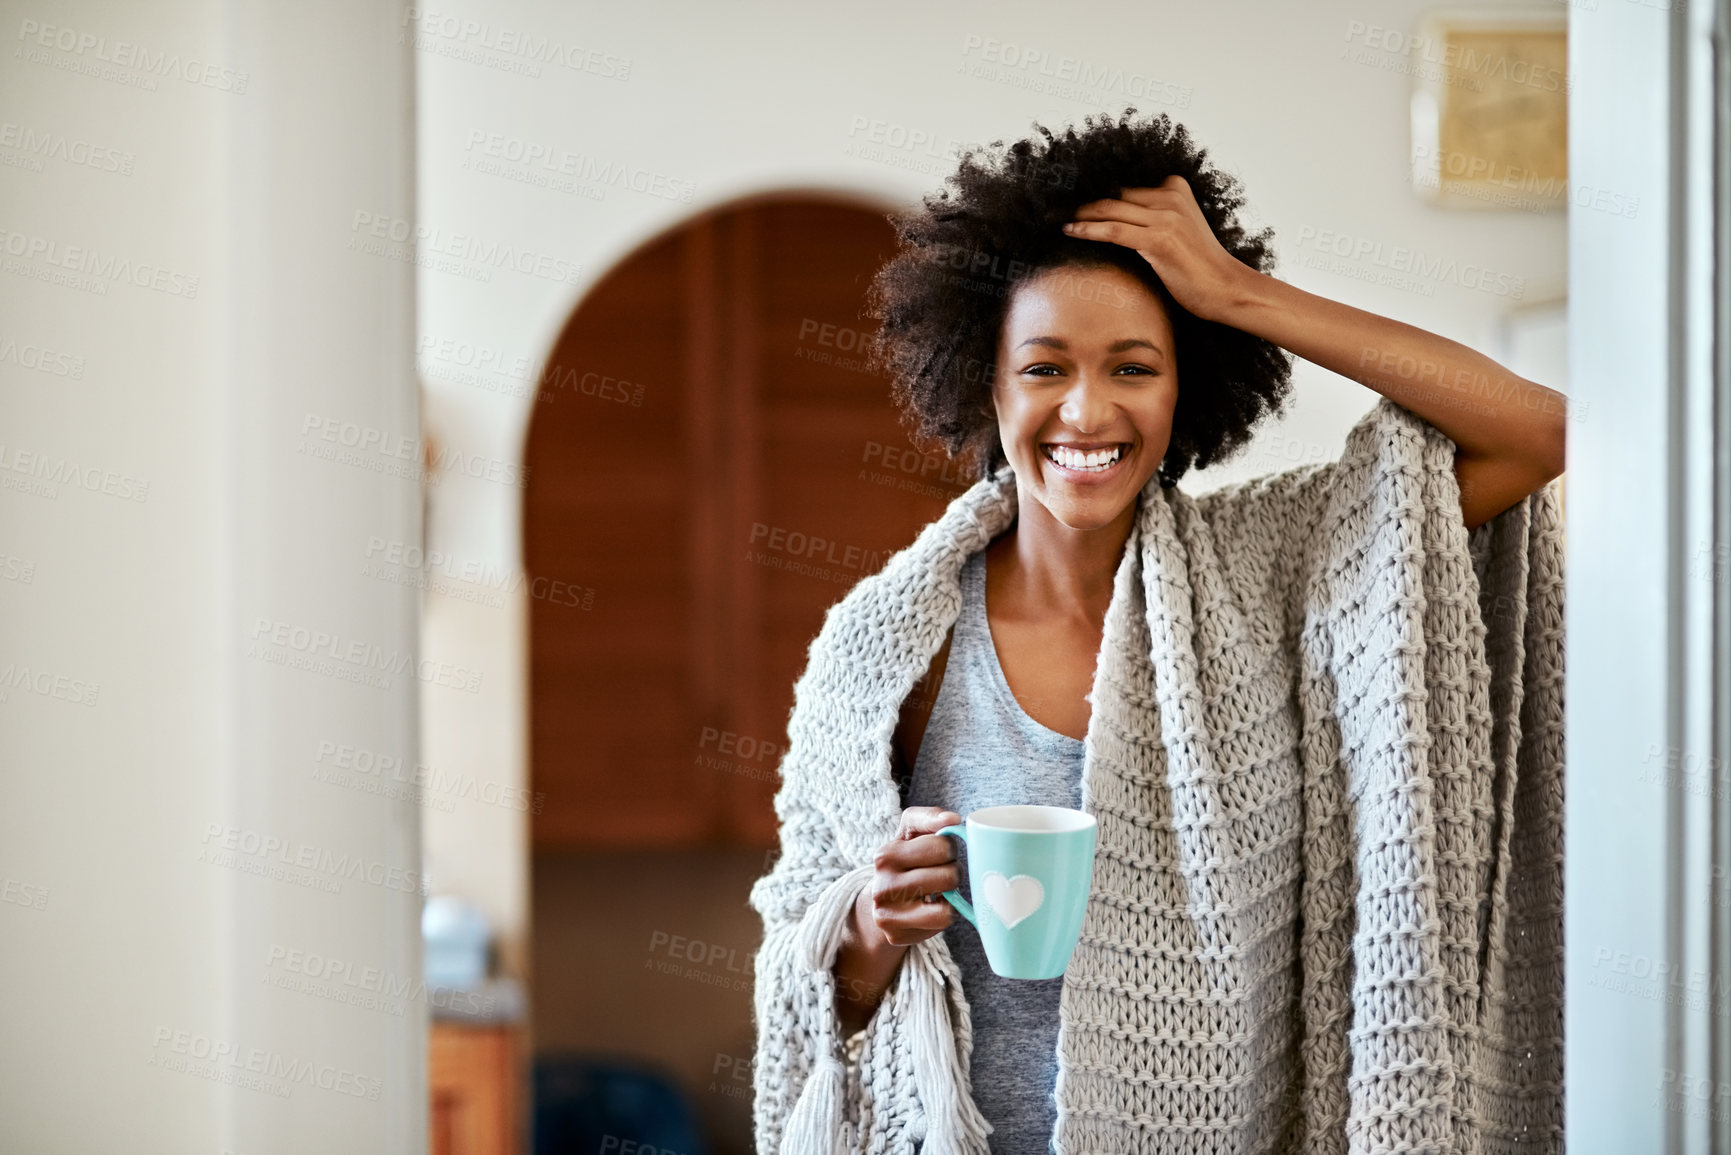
[1087, 404]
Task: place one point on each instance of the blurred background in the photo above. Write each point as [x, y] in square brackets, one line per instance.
[430, 438]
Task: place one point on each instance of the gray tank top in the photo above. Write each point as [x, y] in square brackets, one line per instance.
[982, 749]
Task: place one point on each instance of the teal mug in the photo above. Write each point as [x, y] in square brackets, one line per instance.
[1030, 869]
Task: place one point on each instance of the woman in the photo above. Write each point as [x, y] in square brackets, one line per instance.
[1087, 311]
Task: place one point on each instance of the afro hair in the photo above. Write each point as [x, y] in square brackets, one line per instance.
[940, 301]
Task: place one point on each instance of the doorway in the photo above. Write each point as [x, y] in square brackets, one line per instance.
[712, 463]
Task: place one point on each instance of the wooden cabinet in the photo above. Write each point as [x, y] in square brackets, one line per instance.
[472, 1080]
[711, 457]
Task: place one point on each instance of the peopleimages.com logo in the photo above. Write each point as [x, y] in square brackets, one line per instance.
[329, 652]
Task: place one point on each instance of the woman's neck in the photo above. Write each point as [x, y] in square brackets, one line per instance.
[1041, 567]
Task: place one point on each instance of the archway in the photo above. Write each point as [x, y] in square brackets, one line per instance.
[710, 465]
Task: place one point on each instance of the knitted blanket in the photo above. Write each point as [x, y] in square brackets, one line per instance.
[1325, 754]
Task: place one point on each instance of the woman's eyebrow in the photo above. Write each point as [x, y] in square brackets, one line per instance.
[1116, 346]
[1134, 343]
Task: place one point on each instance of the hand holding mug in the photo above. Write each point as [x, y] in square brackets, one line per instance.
[912, 870]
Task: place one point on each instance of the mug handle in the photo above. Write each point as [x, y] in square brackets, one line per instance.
[955, 896]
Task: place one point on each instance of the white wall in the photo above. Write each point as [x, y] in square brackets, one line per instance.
[154, 969]
[733, 99]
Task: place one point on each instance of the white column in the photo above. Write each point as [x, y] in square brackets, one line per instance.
[210, 939]
[1645, 991]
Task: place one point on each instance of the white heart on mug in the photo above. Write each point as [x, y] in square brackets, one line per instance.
[1013, 899]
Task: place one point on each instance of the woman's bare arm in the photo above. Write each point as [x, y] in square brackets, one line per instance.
[1508, 431]
[863, 966]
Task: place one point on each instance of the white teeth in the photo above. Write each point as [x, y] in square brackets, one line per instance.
[1099, 459]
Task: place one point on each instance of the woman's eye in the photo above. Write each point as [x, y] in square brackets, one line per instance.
[1046, 369]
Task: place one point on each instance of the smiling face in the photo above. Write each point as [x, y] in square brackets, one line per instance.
[1086, 386]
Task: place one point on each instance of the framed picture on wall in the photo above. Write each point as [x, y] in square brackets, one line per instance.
[1490, 108]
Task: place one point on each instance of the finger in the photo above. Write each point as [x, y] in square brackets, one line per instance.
[929, 850]
[1145, 195]
[1115, 232]
[913, 853]
[1167, 196]
[914, 885]
[1117, 210]
[918, 820]
[906, 925]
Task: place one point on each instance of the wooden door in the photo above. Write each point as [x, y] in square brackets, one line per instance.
[711, 465]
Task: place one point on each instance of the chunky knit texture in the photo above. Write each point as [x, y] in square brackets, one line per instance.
[1325, 753]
